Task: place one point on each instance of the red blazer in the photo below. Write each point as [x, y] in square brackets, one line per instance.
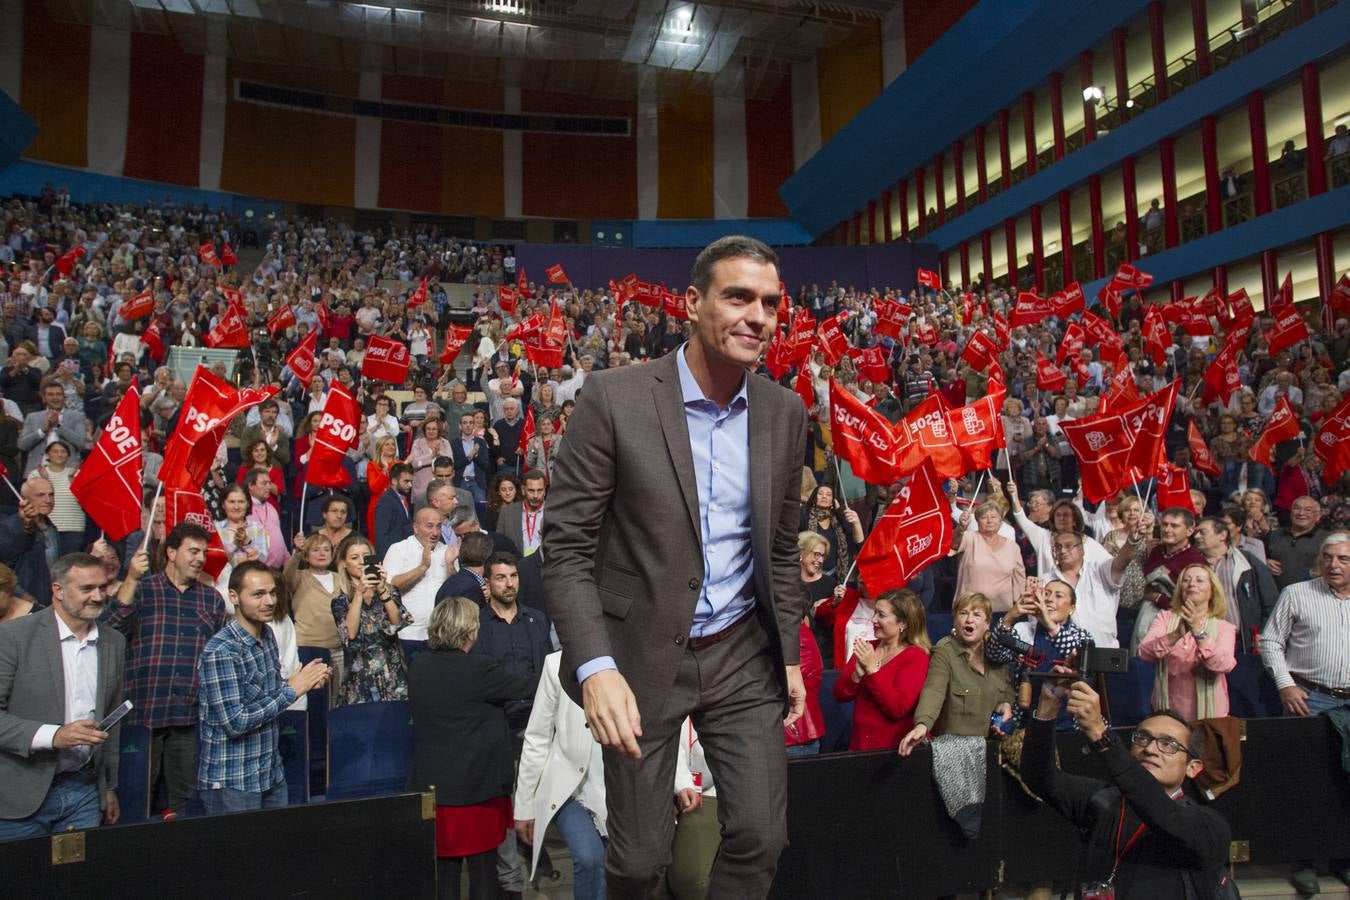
[811, 726]
[884, 702]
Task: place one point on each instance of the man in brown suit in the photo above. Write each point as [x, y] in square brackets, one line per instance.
[670, 555]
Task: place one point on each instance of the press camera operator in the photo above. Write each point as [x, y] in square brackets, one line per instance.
[1147, 836]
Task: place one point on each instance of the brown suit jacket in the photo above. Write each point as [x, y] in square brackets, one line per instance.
[623, 552]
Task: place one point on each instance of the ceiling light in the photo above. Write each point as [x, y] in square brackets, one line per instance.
[1129, 104]
[1093, 94]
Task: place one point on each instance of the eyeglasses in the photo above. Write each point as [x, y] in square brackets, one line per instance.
[1167, 746]
[817, 554]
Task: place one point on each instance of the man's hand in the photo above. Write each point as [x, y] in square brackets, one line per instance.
[1086, 708]
[612, 713]
[525, 830]
[1274, 565]
[82, 733]
[1294, 700]
[112, 810]
[687, 800]
[796, 695]
[138, 565]
[314, 674]
[27, 513]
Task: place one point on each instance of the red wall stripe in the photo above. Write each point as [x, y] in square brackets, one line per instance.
[569, 176]
[768, 150]
[55, 86]
[164, 114]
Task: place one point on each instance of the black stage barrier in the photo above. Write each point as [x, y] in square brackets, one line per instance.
[873, 824]
[379, 847]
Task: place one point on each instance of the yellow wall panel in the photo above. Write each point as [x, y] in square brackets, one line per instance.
[685, 153]
[849, 78]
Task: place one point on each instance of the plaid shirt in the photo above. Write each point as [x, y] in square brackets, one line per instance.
[243, 697]
[166, 630]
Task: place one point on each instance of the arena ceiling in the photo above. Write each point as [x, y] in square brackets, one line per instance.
[622, 49]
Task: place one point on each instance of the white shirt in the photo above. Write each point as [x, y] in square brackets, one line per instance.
[1305, 635]
[419, 599]
[79, 665]
[1098, 595]
[531, 529]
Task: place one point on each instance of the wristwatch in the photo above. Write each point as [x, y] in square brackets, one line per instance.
[1199, 635]
[1104, 743]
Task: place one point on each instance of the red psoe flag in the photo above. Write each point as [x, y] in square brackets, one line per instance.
[784, 305]
[914, 531]
[1174, 488]
[977, 429]
[227, 255]
[1068, 301]
[1110, 297]
[1280, 427]
[456, 336]
[1110, 347]
[805, 387]
[184, 504]
[207, 253]
[507, 298]
[108, 483]
[674, 304]
[1129, 278]
[526, 431]
[386, 359]
[891, 317]
[138, 307]
[1029, 309]
[1201, 458]
[1002, 331]
[1048, 376]
[281, 320]
[1222, 374]
[1071, 343]
[980, 350]
[1102, 446]
[776, 358]
[929, 279]
[1284, 298]
[230, 331]
[831, 338]
[335, 435]
[1340, 295]
[66, 261]
[924, 434]
[301, 359]
[556, 274]
[419, 296]
[523, 283]
[210, 404]
[863, 437]
[1333, 443]
[153, 339]
[1288, 330]
[872, 365]
[1156, 337]
[1240, 307]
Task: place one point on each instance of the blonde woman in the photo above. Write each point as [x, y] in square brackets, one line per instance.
[888, 673]
[369, 614]
[1194, 647]
[312, 584]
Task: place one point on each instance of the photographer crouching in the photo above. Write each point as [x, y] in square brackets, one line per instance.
[1146, 837]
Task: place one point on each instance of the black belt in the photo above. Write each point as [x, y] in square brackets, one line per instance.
[84, 773]
[707, 640]
[1338, 693]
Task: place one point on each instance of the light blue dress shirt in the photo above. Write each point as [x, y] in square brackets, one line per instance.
[720, 442]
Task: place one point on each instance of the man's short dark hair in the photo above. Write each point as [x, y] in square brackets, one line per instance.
[442, 462]
[185, 531]
[1179, 512]
[269, 403]
[254, 475]
[1219, 526]
[1236, 513]
[475, 549]
[398, 470]
[533, 475]
[244, 569]
[1195, 744]
[735, 246]
[500, 558]
[61, 568]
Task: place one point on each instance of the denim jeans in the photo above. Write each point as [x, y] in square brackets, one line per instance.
[71, 803]
[588, 850]
[219, 801]
[800, 751]
[1319, 702]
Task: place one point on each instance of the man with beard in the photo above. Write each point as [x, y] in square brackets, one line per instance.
[58, 768]
[242, 699]
[393, 514]
[167, 620]
[523, 521]
[517, 636]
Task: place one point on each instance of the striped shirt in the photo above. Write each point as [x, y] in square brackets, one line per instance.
[242, 698]
[1307, 636]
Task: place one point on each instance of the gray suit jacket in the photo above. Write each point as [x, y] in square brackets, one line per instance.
[33, 442]
[509, 525]
[623, 555]
[33, 694]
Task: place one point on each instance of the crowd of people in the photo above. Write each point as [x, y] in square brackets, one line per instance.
[423, 579]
